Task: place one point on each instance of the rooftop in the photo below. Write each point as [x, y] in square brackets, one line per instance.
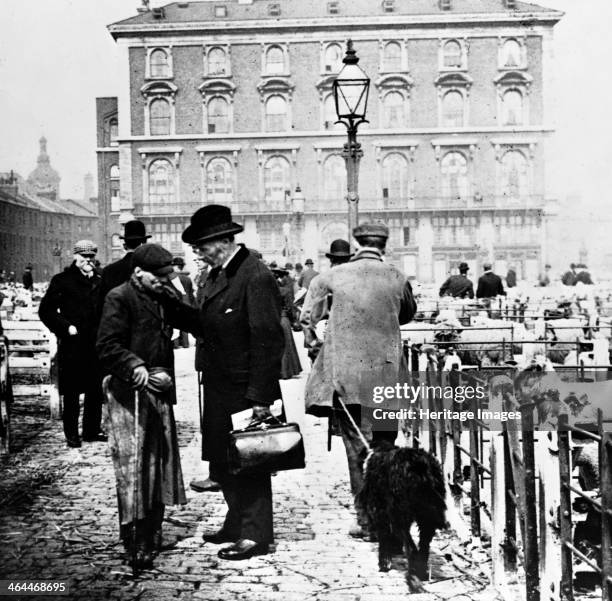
[224, 11]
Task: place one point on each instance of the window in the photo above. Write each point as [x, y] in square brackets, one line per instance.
[514, 175]
[159, 111]
[219, 182]
[114, 188]
[329, 114]
[452, 55]
[217, 111]
[220, 11]
[392, 57]
[274, 10]
[511, 55]
[159, 63]
[275, 61]
[161, 182]
[276, 178]
[217, 62]
[334, 177]
[388, 6]
[116, 241]
[276, 113]
[113, 130]
[452, 109]
[333, 8]
[395, 176]
[512, 108]
[406, 240]
[454, 175]
[393, 104]
[333, 58]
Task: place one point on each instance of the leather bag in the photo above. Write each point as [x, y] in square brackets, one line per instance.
[265, 447]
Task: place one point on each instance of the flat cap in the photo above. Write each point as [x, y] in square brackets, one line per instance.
[379, 230]
[85, 247]
[153, 258]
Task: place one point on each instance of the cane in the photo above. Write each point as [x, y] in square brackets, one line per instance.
[200, 397]
[135, 497]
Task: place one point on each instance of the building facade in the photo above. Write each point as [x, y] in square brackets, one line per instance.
[231, 102]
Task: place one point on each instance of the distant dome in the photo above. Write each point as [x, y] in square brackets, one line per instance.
[44, 179]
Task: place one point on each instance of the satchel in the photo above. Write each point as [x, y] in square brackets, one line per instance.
[265, 447]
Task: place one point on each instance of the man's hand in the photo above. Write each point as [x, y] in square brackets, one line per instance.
[261, 412]
[72, 331]
[140, 377]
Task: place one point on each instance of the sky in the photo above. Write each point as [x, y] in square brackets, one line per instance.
[56, 57]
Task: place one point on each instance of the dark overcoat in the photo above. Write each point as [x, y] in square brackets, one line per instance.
[457, 286]
[490, 285]
[71, 300]
[113, 275]
[242, 344]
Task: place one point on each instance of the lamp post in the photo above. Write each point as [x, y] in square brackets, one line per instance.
[350, 91]
[297, 209]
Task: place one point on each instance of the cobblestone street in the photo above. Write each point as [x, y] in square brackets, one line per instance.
[66, 529]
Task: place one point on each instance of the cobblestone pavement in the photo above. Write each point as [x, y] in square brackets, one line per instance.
[65, 528]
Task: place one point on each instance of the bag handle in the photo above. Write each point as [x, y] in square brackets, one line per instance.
[262, 424]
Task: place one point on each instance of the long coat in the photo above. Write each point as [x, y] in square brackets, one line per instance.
[457, 286]
[71, 300]
[242, 344]
[113, 275]
[489, 285]
[362, 347]
[133, 332]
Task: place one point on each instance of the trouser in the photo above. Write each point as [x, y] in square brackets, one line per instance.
[249, 504]
[356, 452]
[147, 531]
[92, 412]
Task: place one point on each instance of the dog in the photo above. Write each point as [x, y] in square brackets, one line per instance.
[403, 486]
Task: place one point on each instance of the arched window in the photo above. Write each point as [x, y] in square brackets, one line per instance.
[114, 188]
[159, 111]
[452, 54]
[276, 178]
[453, 109]
[512, 108]
[454, 175]
[217, 64]
[275, 60]
[515, 175]
[333, 58]
[392, 58]
[159, 63]
[113, 131]
[276, 113]
[393, 104]
[219, 181]
[161, 182]
[511, 54]
[330, 117]
[334, 177]
[395, 176]
[217, 112]
[114, 172]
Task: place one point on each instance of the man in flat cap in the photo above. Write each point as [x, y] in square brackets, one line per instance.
[68, 309]
[114, 274]
[362, 346]
[135, 348]
[458, 286]
[239, 322]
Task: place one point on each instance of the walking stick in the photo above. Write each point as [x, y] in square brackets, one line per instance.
[200, 397]
[135, 491]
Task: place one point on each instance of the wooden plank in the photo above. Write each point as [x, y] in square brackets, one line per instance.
[498, 571]
[43, 390]
[605, 470]
[30, 362]
[29, 348]
[17, 335]
[33, 324]
[565, 510]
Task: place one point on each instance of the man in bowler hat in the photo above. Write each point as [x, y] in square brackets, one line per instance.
[489, 284]
[239, 322]
[458, 286]
[308, 274]
[114, 274]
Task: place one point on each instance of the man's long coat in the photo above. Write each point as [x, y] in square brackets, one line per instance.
[71, 300]
[242, 345]
[362, 347]
[113, 275]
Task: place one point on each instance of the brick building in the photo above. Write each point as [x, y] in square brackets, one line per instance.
[230, 102]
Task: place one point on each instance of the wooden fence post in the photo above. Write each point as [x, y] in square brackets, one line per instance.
[605, 471]
[565, 510]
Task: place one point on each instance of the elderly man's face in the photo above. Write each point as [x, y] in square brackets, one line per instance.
[214, 252]
[150, 281]
[85, 262]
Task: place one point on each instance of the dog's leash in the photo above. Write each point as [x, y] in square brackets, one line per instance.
[366, 444]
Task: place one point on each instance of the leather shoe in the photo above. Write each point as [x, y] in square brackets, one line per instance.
[207, 485]
[100, 437]
[243, 549]
[73, 442]
[218, 537]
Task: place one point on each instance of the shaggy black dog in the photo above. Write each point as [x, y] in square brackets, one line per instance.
[403, 486]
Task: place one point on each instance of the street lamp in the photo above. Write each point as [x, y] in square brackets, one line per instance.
[297, 209]
[350, 91]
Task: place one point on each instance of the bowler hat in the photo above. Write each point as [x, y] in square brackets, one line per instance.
[178, 261]
[153, 258]
[134, 230]
[379, 230]
[339, 248]
[487, 266]
[464, 267]
[210, 223]
[308, 262]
